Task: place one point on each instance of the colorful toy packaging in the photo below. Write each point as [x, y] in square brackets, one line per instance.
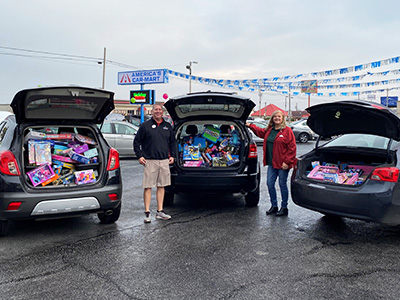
[42, 153]
[84, 177]
[210, 149]
[56, 156]
[41, 174]
[212, 134]
[340, 173]
[191, 152]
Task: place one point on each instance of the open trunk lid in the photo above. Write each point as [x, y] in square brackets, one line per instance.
[200, 106]
[62, 103]
[353, 117]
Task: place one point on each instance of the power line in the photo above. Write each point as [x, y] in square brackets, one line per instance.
[52, 53]
[64, 56]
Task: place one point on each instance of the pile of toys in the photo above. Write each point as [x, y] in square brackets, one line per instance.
[53, 158]
[210, 149]
[341, 173]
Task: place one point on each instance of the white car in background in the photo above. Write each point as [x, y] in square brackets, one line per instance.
[120, 135]
[4, 114]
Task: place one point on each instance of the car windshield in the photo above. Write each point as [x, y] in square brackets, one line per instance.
[360, 140]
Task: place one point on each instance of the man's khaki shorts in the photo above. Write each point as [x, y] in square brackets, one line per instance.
[156, 173]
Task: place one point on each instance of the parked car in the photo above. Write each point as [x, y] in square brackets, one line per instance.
[4, 114]
[260, 123]
[216, 152]
[120, 135]
[54, 159]
[114, 117]
[356, 174]
[301, 131]
[259, 141]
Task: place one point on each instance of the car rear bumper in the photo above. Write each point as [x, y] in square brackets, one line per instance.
[214, 183]
[375, 201]
[50, 205]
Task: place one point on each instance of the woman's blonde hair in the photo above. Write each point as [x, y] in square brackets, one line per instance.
[271, 121]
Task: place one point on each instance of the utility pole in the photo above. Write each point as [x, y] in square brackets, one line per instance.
[290, 109]
[259, 103]
[189, 67]
[387, 97]
[104, 69]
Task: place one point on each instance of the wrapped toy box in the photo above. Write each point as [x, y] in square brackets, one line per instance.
[84, 177]
[41, 174]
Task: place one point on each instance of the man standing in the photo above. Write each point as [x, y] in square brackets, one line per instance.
[154, 144]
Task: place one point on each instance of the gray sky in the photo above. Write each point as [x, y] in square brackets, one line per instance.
[229, 40]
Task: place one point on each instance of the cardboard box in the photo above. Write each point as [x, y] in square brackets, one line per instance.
[319, 171]
[42, 152]
[212, 134]
[41, 174]
[80, 158]
[193, 163]
[191, 152]
[84, 177]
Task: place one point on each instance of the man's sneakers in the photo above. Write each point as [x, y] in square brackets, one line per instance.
[161, 215]
[147, 218]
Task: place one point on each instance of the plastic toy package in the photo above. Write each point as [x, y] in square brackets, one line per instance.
[42, 153]
[41, 174]
[84, 177]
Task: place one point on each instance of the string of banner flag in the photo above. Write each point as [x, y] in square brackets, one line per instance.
[365, 83]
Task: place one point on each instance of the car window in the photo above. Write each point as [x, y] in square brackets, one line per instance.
[106, 128]
[359, 140]
[303, 123]
[124, 129]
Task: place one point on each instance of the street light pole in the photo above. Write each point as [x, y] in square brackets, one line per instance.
[259, 101]
[104, 69]
[189, 67]
[290, 107]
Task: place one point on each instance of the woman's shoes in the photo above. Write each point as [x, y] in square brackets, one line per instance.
[282, 212]
[272, 210]
[279, 213]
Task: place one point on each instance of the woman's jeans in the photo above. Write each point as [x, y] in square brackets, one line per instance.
[272, 175]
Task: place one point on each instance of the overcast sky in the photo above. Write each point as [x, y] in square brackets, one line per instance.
[229, 40]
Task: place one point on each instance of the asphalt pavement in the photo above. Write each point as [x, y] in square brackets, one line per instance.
[214, 247]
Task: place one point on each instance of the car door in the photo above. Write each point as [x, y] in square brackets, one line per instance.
[124, 136]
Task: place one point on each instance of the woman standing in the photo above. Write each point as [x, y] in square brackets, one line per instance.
[280, 155]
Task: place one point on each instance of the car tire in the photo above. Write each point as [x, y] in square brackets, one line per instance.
[168, 198]
[4, 225]
[303, 137]
[109, 218]
[252, 198]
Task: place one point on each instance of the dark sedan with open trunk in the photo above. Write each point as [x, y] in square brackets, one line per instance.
[356, 174]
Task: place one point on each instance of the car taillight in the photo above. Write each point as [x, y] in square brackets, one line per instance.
[252, 151]
[113, 160]
[8, 164]
[390, 174]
